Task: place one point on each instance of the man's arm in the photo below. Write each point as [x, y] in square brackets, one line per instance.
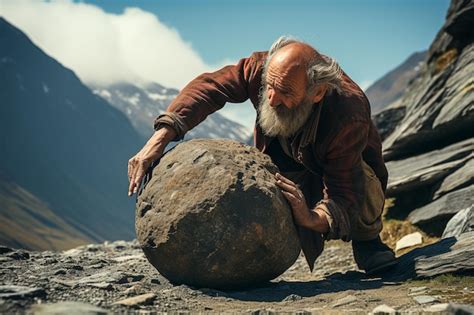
[201, 97]
[153, 149]
[208, 93]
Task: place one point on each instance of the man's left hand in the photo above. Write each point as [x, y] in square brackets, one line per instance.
[315, 219]
[301, 213]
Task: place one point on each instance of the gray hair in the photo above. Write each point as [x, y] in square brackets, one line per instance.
[321, 69]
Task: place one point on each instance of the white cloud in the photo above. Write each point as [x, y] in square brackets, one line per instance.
[104, 48]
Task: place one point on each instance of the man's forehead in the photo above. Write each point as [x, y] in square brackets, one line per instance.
[285, 63]
[290, 61]
[287, 74]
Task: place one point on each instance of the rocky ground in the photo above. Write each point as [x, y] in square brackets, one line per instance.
[116, 277]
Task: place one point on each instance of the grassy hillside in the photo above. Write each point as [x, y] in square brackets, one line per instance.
[27, 222]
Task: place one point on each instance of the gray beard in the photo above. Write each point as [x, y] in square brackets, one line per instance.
[282, 121]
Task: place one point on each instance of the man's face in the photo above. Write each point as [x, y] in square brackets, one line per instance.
[284, 104]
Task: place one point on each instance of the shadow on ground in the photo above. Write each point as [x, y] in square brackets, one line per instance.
[294, 290]
[424, 262]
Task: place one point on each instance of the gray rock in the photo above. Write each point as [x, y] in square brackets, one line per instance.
[345, 300]
[70, 308]
[5, 249]
[417, 290]
[101, 280]
[292, 297]
[439, 102]
[425, 299]
[383, 309]
[20, 292]
[449, 255]
[211, 215]
[462, 222]
[438, 308]
[434, 216]
[450, 308]
[142, 299]
[462, 177]
[19, 255]
[428, 168]
[387, 120]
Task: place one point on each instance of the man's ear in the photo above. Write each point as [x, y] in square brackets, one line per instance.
[320, 92]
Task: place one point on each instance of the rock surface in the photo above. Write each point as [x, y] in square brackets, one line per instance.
[428, 134]
[69, 308]
[434, 216]
[211, 215]
[334, 278]
[383, 309]
[449, 255]
[429, 168]
[439, 102]
[462, 222]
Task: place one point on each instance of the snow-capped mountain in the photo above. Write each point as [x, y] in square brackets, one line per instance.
[143, 104]
[64, 153]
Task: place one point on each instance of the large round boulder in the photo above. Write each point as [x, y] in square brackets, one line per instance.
[211, 215]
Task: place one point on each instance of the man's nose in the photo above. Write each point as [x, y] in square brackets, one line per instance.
[273, 99]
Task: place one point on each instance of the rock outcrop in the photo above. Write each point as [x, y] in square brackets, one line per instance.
[210, 215]
[461, 223]
[439, 102]
[452, 255]
[429, 135]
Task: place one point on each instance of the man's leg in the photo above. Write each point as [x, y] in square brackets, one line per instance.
[370, 253]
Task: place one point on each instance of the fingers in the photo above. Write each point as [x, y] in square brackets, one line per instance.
[288, 187]
[131, 175]
[284, 179]
[292, 199]
[131, 188]
[135, 175]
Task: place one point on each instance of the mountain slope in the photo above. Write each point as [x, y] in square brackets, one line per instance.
[28, 223]
[62, 143]
[143, 104]
[391, 86]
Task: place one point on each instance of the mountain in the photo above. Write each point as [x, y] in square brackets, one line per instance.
[26, 221]
[391, 86]
[62, 146]
[429, 136]
[143, 104]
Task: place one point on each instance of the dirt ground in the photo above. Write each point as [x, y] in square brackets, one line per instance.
[103, 275]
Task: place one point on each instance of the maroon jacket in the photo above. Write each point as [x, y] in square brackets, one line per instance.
[332, 144]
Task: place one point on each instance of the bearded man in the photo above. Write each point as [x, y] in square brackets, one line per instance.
[315, 124]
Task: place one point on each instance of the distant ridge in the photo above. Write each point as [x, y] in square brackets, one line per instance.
[62, 145]
[392, 85]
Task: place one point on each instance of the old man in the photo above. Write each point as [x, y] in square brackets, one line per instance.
[315, 124]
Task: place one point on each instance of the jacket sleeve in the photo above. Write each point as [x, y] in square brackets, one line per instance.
[343, 177]
[208, 93]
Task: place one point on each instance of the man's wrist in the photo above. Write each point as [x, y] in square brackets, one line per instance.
[319, 221]
[165, 134]
[155, 146]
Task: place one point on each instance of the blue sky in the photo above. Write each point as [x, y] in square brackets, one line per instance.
[172, 41]
[367, 37]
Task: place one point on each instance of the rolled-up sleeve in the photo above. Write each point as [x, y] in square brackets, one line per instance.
[206, 94]
[343, 177]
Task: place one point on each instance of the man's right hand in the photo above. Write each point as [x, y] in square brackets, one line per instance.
[152, 151]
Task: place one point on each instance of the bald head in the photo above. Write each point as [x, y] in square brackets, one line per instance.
[294, 55]
[295, 77]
